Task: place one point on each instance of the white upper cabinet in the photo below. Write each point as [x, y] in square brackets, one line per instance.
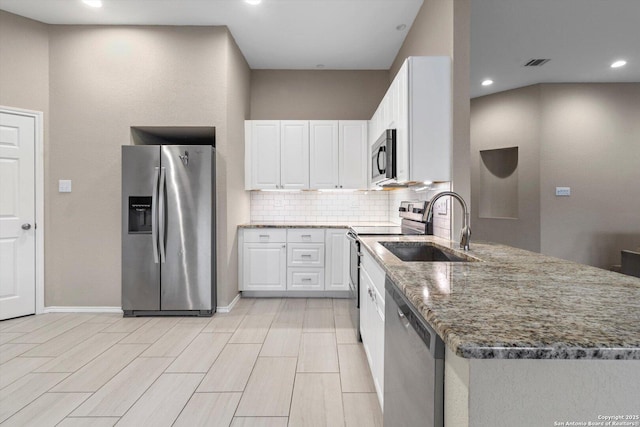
[324, 146]
[294, 154]
[262, 159]
[352, 171]
[338, 154]
[418, 106]
[276, 154]
[401, 122]
[306, 154]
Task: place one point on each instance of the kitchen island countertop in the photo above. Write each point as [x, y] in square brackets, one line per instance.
[516, 304]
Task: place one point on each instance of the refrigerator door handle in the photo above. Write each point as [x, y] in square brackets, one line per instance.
[161, 216]
[154, 215]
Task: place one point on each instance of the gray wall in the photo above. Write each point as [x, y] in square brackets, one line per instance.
[233, 205]
[509, 119]
[319, 95]
[24, 73]
[583, 136]
[93, 83]
[442, 27]
[590, 141]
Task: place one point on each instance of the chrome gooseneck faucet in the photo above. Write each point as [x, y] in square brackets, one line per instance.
[465, 232]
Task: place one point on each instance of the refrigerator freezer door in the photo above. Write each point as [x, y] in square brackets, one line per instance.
[140, 271]
[188, 221]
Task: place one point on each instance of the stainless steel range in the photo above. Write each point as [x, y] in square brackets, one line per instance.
[412, 213]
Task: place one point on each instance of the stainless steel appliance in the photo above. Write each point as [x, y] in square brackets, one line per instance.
[413, 366]
[383, 158]
[411, 213]
[168, 230]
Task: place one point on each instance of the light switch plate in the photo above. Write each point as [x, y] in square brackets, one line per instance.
[64, 186]
[563, 191]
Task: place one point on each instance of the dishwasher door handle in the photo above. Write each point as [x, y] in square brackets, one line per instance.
[403, 319]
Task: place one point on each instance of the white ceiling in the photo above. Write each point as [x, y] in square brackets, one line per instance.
[581, 37]
[277, 34]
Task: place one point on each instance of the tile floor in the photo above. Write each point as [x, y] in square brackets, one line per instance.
[270, 362]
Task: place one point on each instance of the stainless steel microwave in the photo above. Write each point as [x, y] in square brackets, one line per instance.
[383, 158]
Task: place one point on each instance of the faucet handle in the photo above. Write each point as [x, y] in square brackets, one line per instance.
[465, 236]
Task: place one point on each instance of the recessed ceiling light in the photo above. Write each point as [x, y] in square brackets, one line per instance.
[253, 2]
[401, 27]
[618, 64]
[93, 3]
[487, 82]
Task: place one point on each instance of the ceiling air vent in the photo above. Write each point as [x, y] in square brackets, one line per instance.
[536, 62]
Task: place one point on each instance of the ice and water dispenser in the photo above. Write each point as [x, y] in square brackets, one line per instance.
[139, 215]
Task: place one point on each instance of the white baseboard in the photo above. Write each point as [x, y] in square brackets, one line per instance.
[118, 310]
[71, 309]
[228, 308]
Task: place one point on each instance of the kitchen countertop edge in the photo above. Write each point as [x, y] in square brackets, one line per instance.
[469, 349]
[315, 225]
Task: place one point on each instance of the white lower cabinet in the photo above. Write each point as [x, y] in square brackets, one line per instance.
[264, 266]
[295, 259]
[337, 260]
[305, 279]
[372, 321]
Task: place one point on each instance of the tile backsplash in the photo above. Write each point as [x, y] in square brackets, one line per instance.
[320, 207]
[359, 207]
[442, 210]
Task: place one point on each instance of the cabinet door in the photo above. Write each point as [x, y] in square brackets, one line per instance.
[294, 154]
[265, 154]
[353, 159]
[377, 344]
[337, 260]
[323, 147]
[264, 266]
[366, 312]
[402, 123]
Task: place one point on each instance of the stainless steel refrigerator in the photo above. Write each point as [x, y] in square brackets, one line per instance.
[168, 230]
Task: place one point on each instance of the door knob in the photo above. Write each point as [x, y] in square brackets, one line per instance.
[26, 226]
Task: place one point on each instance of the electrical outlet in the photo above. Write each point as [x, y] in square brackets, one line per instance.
[64, 186]
[563, 191]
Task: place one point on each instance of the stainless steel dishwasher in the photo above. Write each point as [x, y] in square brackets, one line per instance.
[413, 366]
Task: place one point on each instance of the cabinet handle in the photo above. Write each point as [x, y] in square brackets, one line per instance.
[264, 236]
[306, 236]
[306, 279]
[284, 246]
[306, 255]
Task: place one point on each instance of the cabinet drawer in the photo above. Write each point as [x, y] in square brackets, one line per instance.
[305, 279]
[305, 235]
[265, 235]
[305, 255]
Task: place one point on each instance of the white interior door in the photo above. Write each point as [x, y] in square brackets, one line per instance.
[17, 216]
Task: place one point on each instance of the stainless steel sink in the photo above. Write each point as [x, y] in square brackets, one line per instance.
[421, 251]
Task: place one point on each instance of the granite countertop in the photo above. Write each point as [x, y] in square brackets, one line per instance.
[314, 224]
[516, 304]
